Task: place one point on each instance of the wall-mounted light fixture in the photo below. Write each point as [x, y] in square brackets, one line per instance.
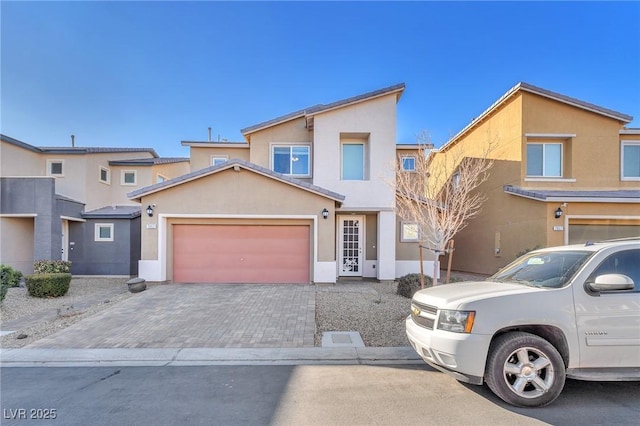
[150, 210]
[325, 213]
[558, 213]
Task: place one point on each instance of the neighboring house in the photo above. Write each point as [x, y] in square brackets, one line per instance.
[69, 203]
[307, 197]
[565, 171]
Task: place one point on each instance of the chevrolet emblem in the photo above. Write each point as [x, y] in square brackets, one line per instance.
[415, 311]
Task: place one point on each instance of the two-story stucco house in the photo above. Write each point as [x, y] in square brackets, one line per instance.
[565, 171]
[70, 203]
[307, 197]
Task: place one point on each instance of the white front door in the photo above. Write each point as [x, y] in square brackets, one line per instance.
[350, 245]
[65, 240]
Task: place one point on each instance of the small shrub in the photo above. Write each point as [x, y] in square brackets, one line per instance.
[48, 285]
[51, 266]
[410, 283]
[9, 276]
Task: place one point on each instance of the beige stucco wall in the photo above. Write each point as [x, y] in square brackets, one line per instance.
[16, 243]
[97, 194]
[221, 194]
[506, 223]
[408, 250]
[501, 130]
[513, 224]
[169, 170]
[200, 157]
[81, 173]
[293, 131]
[16, 161]
[592, 157]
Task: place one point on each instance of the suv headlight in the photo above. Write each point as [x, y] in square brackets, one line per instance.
[456, 321]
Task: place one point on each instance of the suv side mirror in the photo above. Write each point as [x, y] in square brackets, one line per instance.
[611, 282]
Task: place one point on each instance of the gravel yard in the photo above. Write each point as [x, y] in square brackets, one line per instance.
[43, 317]
[375, 311]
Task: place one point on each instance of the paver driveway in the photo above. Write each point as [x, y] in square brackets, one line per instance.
[199, 316]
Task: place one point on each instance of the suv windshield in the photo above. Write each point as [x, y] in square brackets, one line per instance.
[543, 269]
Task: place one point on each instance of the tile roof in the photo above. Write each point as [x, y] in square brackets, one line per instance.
[65, 198]
[114, 212]
[214, 144]
[137, 194]
[148, 161]
[73, 149]
[604, 196]
[324, 107]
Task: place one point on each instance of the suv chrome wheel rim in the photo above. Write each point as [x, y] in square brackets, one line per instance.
[528, 372]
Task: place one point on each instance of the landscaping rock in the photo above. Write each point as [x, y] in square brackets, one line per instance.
[136, 285]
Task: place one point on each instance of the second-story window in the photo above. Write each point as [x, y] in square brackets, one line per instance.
[55, 167]
[409, 164]
[105, 175]
[631, 160]
[216, 160]
[353, 167]
[128, 177]
[544, 159]
[291, 160]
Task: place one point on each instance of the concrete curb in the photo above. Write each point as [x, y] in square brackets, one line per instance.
[204, 356]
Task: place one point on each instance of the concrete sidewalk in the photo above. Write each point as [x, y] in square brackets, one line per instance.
[25, 357]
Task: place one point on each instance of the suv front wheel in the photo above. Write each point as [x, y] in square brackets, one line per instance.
[524, 370]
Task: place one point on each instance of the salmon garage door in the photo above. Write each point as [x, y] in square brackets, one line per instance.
[241, 254]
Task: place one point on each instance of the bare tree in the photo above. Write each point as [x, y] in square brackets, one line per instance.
[440, 196]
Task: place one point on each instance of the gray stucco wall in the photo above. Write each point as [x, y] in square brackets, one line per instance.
[117, 257]
[36, 196]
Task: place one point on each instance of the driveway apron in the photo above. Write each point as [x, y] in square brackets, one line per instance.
[199, 316]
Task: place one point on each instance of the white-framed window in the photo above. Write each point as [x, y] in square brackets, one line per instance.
[544, 159]
[160, 178]
[105, 175]
[216, 160]
[630, 160]
[55, 167]
[103, 232]
[408, 164]
[409, 232]
[292, 160]
[128, 177]
[353, 161]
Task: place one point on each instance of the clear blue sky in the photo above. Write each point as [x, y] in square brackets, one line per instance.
[155, 73]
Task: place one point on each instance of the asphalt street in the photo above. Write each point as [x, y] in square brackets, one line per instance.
[289, 395]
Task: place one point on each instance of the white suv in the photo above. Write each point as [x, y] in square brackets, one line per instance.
[571, 311]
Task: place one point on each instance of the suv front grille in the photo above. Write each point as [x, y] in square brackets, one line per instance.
[425, 308]
[426, 316]
[424, 322]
